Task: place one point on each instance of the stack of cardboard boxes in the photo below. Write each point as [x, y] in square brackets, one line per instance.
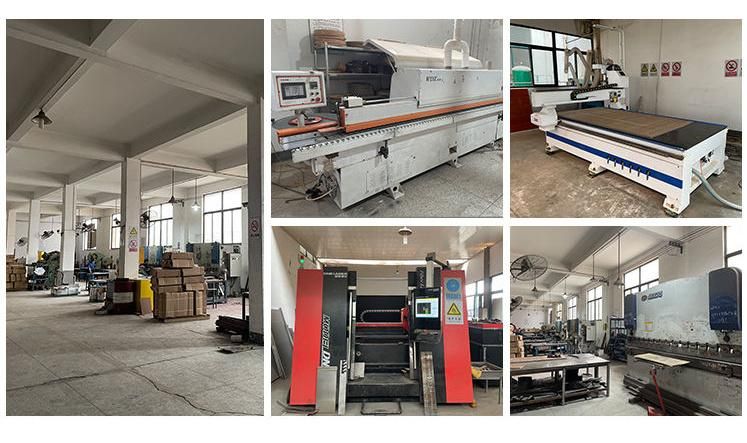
[15, 275]
[517, 346]
[179, 287]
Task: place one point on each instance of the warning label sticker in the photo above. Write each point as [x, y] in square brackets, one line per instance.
[676, 69]
[644, 69]
[665, 69]
[731, 68]
[453, 299]
[653, 70]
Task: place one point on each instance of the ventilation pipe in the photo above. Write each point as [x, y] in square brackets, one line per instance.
[456, 43]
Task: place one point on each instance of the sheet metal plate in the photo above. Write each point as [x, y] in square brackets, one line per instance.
[675, 132]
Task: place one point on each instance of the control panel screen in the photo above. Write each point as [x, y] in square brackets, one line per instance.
[292, 91]
[426, 308]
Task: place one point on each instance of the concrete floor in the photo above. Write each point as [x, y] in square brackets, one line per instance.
[558, 185]
[474, 190]
[61, 359]
[487, 403]
[615, 405]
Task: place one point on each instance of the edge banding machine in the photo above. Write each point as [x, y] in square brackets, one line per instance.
[672, 156]
[432, 112]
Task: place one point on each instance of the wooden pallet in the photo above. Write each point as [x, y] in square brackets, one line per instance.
[181, 319]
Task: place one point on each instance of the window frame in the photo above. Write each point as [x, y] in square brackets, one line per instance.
[635, 289]
[87, 235]
[552, 49]
[572, 305]
[222, 211]
[159, 222]
[115, 228]
[727, 254]
[597, 303]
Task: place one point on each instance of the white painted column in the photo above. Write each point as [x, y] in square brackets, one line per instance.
[129, 251]
[255, 210]
[10, 232]
[67, 244]
[33, 232]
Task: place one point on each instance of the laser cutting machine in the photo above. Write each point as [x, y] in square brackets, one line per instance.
[350, 347]
[685, 343]
[655, 151]
[427, 112]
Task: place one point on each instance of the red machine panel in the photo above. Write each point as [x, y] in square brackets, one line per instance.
[455, 331]
[307, 338]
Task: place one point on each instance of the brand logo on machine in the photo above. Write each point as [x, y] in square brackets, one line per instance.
[652, 296]
[452, 285]
[326, 355]
[433, 78]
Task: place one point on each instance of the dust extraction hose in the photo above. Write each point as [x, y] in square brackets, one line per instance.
[712, 191]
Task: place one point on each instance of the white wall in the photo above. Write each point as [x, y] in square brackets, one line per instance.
[474, 271]
[702, 92]
[45, 224]
[529, 317]
[284, 263]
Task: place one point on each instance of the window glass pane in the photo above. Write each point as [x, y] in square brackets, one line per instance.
[542, 67]
[650, 271]
[115, 218]
[207, 236]
[734, 238]
[496, 283]
[237, 226]
[480, 286]
[562, 75]
[520, 57]
[170, 240]
[155, 212]
[563, 41]
[212, 202]
[470, 289]
[232, 199]
[530, 36]
[227, 230]
[736, 261]
[167, 210]
[471, 307]
[217, 227]
[631, 278]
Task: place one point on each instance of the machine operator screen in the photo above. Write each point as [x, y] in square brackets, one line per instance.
[426, 308]
[293, 90]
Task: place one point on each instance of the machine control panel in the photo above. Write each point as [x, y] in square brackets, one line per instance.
[426, 309]
[298, 90]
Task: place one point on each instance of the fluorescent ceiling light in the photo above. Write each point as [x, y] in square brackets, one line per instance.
[364, 262]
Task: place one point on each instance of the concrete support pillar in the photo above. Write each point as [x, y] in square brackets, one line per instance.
[487, 296]
[10, 232]
[255, 211]
[129, 251]
[33, 232]
[67, 244]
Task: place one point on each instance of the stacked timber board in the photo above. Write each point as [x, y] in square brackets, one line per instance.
[179, 288]
[517, 346]
[15, 275]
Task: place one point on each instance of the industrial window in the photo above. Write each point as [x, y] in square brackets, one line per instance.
[572, 313]
[221, 217]
[542, 55]
[470, 291]
[733, 253]
[594, 304]
[116, 232]
[89, 237]
[496, 287]
[559, 312]
[642, 277]
[161, 225]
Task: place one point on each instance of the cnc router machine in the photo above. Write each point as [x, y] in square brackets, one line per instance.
[684, 348]
[428, 111]
[351, 347]
[669, 155]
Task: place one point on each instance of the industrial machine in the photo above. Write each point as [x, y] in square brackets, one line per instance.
[350, 347]
[684, 347]
[426, 112]
[672, 156]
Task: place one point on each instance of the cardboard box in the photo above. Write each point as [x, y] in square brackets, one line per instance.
[175, 305]
[180, 263]
[200, 302]
[168, 281]
[166, 273]
[167, 289]
[195, 287]
[178, 256]
[193, 271]
[193, 279]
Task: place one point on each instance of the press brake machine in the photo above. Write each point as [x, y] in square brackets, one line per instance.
[416, 352]
[432, 113]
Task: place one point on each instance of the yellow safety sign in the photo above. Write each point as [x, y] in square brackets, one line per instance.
[454, 310]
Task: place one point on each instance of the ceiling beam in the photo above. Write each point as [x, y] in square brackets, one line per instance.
[230, 159]
[68, 144]
[63, 77]
[83, 174]
[35, 178]
[191, 76]
[182, 128]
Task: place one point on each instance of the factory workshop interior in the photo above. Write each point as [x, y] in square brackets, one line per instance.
[626, 118]
[387, 118]
[622, 321]
[133, 278]
[389, 320]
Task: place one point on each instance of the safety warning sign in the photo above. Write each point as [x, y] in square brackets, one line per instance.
[644, 69]
[676, 69]
[255, 227]
[665, 69]
[454, 310]
[731, 67]
[653, 70]
[453, 299]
